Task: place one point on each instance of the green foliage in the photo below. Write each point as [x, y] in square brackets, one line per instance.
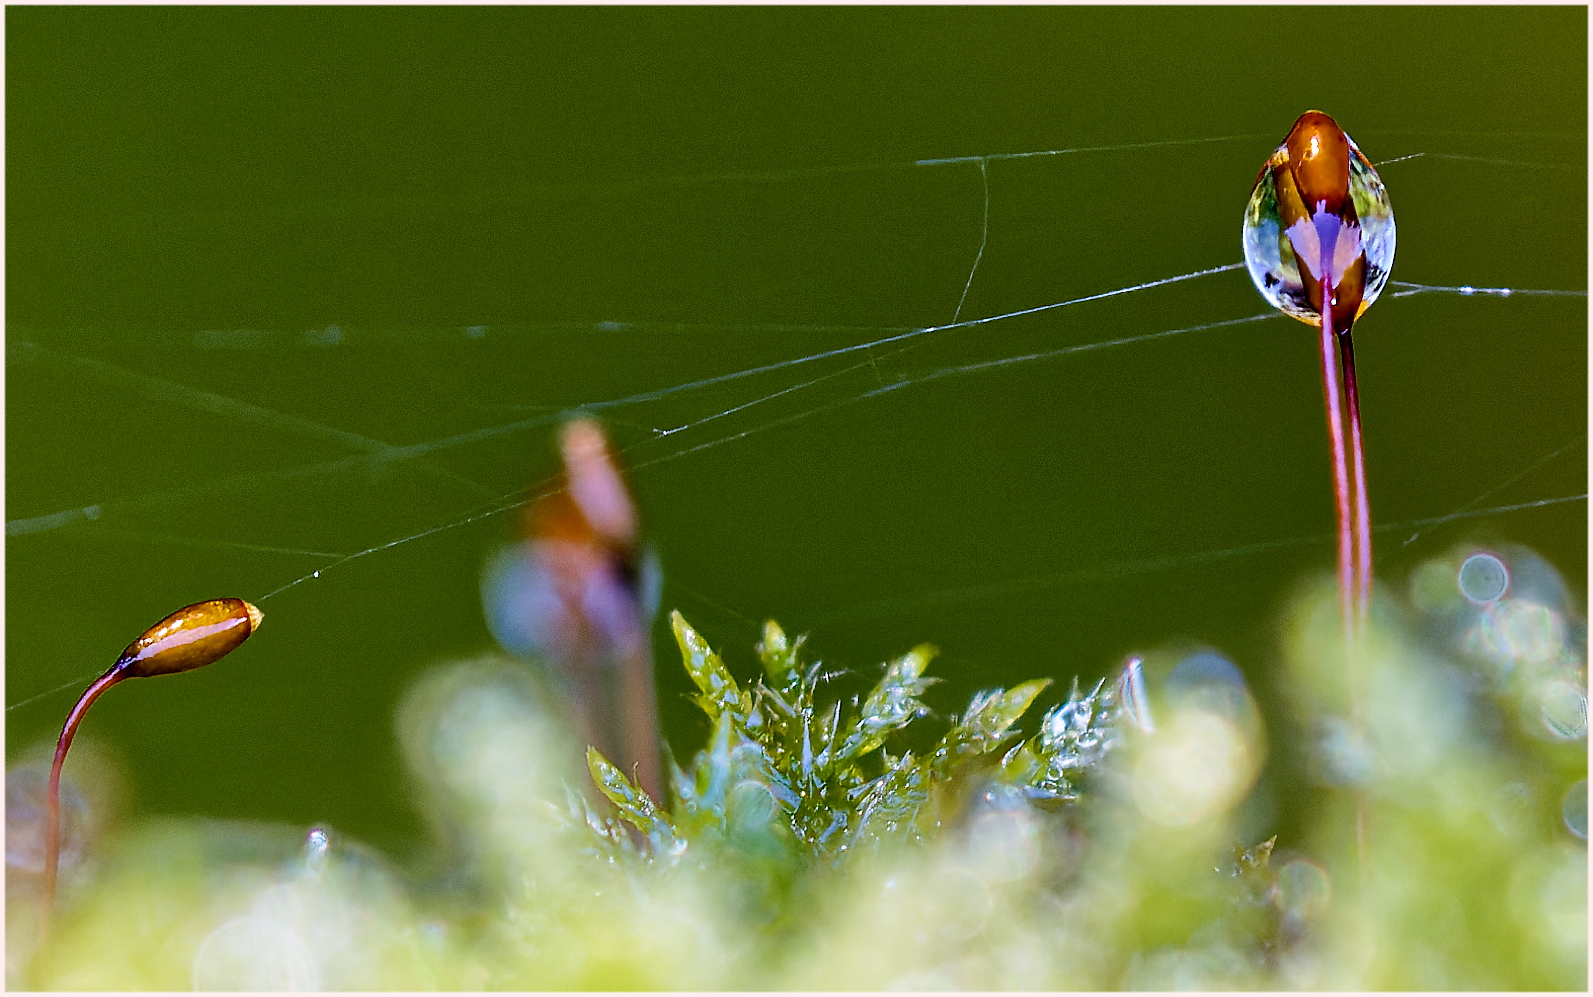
[1072, 739]
[825, 841]
[787, 770]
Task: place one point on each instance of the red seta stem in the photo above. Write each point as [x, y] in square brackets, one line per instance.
[1363, 515]
[641, 720]
[1331, 395]
[52, 800]
[1363, 584]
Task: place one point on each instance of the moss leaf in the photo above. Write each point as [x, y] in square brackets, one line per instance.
[717, 688]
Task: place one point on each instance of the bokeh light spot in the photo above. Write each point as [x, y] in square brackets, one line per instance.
[1201, 763]
[253, 953]
[1433, 588]
[1562, 706]
[1483, 579]
[1573, 809]
[1302, 891]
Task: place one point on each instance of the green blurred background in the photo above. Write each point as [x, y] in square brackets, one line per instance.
[408, 224]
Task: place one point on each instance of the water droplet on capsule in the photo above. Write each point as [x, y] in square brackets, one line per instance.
[1270, 254]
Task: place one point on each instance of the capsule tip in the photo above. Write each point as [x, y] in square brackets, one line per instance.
[255, 616]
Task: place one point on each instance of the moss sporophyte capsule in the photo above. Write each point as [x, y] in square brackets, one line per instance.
[1319, 244]
[578, 593]
[190, 638]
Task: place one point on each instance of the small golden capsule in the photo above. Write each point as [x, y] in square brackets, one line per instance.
[190, 638]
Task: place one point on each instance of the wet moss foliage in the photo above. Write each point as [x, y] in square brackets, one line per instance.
[821, 839]
[792, 780]
[787, 772]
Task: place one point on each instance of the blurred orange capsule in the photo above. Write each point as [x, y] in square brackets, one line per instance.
[578, 593]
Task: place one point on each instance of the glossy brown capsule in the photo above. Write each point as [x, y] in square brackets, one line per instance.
[1320, 218]
[1319, 160]
[190, 638]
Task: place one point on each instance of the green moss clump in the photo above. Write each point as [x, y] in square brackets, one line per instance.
[785, 773]
[810, 845]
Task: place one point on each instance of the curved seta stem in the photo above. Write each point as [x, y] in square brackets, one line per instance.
[52, 800]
